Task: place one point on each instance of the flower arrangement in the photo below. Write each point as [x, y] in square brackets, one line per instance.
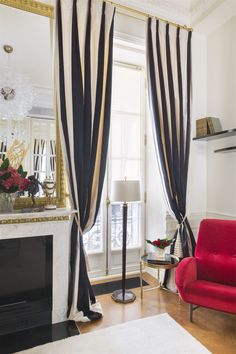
[12, 180]
[161, 242]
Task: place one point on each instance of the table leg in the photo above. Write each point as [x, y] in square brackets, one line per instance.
[141, 279]
[158, 277]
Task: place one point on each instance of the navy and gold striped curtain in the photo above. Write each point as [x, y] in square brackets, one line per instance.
[83, 72]
[169, 85]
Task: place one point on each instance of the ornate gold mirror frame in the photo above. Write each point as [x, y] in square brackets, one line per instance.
[46, 10]
[35, 7]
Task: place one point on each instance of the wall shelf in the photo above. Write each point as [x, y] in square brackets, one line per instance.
[227, 149]
[219, 135]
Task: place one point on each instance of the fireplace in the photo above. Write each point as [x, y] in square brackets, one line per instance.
[25, 282]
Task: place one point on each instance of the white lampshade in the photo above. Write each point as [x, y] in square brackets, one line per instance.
[125, 191]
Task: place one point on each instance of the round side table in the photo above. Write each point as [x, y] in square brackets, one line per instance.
[149, 260]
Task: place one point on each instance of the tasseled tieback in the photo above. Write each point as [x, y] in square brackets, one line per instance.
[178, 250]
[182, 222]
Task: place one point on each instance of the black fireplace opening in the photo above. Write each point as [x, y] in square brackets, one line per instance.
[25, 283]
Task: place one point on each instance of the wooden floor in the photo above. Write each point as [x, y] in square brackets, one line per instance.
[215, 330]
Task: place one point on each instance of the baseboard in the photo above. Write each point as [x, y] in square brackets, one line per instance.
[110, 277]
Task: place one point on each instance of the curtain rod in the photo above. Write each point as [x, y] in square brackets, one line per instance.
[145, 14]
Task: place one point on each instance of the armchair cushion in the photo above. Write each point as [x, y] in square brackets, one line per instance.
[212, 295]
[216, 251]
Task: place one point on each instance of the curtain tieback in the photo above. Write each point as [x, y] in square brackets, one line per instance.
[182, 222]
[178, 247]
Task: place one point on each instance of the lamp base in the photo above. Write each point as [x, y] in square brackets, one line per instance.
[129, 296]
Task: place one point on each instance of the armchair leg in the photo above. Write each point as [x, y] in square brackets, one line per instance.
[192, 308]
[191, 313]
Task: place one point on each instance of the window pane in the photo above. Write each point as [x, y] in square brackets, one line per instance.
[93, 239]
[125, 135]
[133, 226]
[125, 153]
[126, 89]
[133, 169]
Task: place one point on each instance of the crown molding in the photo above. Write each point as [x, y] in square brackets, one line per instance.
[202, 8]
[189, 12]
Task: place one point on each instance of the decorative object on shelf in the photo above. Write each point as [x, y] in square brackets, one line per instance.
[33, 188]
[202, 128]
[160, 244]
[49, 187]
[126, 192]
[214, 125]
[12, 181]
[16, 92]
[207, 126]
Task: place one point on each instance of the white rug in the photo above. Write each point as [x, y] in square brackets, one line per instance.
[150, 335]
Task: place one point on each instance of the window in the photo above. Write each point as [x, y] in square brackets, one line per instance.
[126, 150]
[43, 148]
[125, 157]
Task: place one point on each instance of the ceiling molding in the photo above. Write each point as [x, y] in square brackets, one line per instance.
[202, 9]
[186, 12]
[166, 9]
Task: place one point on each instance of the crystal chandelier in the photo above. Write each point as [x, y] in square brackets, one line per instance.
[16, 93]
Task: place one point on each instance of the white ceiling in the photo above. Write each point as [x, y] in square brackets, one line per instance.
[189, 12]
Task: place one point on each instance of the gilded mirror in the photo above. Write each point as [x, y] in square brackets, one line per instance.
[30, 130]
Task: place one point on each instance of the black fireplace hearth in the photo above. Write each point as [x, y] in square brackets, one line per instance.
[25, 283]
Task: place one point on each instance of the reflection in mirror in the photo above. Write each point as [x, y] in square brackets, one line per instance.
[27, 119]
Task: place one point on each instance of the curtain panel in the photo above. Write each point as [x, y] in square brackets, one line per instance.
[169, 86]
[83, 73]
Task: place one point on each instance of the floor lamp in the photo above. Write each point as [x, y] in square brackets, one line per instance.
[126, 192]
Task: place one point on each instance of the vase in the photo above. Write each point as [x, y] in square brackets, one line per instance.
[160, 252]
[7, 201]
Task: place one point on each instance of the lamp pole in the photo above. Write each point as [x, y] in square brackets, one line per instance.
[125, 191]
[125, 212]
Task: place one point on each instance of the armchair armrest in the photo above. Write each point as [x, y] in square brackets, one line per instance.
[186, 272]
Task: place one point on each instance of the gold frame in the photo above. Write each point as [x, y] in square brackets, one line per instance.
[46, 10]
[35, 219]
[36, 7]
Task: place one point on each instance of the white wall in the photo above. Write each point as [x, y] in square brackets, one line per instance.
[197, 194]
[221, 102]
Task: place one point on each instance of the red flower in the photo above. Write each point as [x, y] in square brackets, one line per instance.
[12, 180]
[161, 243]
[156, 243]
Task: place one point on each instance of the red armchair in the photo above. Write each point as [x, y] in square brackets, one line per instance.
[209, 278]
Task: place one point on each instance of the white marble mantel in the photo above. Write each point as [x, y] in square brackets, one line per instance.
[57, 223]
